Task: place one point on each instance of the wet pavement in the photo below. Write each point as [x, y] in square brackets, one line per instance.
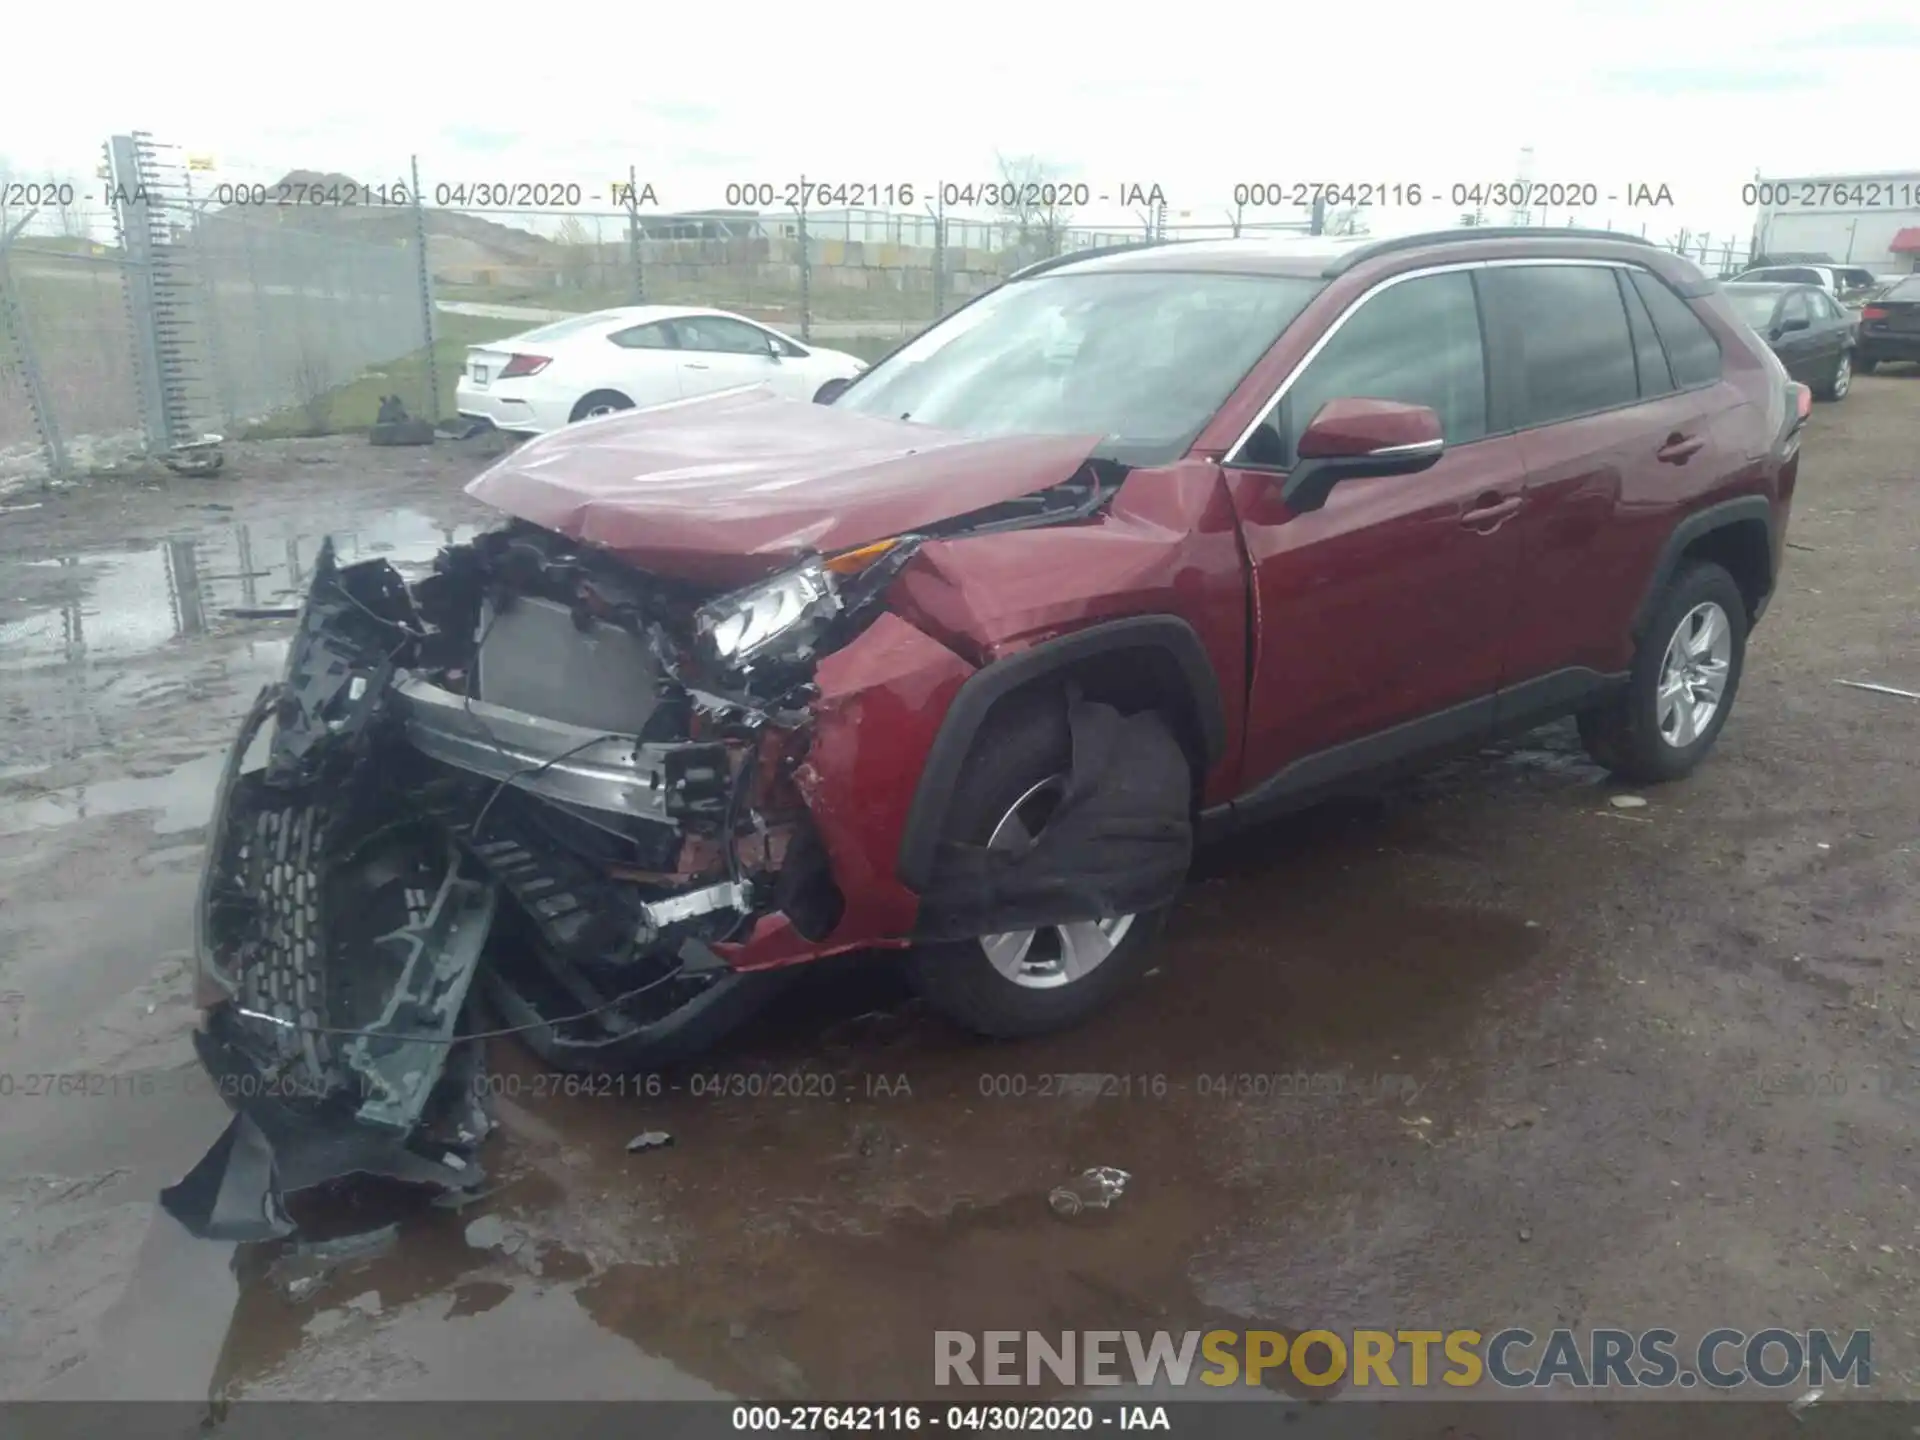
[1483, 1051]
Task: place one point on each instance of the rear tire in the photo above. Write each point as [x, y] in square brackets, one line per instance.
[1658, 728]
[1840, 381]
[600, 402]
[1024, 746]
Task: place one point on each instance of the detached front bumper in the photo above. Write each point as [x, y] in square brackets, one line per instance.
[375, 833]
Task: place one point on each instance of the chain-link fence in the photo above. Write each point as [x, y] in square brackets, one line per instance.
[135, 327]
[291, 307]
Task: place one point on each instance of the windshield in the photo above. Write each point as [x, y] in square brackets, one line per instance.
[1753, 306]
[1907, 289]
[572, 325]
[1142, 359]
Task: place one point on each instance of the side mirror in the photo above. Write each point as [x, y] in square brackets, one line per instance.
[1351, 438]
[1787, 327]
[830, 392]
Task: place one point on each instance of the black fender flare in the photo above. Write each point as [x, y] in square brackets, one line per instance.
[976, 698]
[1742, 510]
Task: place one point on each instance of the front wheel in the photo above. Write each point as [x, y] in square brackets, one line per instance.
[1681, 688]
[1026, 982]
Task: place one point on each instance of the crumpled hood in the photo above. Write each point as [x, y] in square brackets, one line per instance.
[730, 486]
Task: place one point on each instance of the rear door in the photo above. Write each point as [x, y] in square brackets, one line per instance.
[1613, 436]
[719, 353]
[1380, 618]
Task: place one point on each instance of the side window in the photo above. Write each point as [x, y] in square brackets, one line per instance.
[1575, 353]
[1648, 358]
[1801, 277]
[1691, 349]
[1795, 307]
[1417, 342]
[1827, 308]
[716, 332]
[644, 337]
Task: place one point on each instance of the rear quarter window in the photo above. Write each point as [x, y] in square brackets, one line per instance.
[1691, 348]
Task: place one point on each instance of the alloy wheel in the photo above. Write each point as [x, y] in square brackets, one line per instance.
[1055, 955]
[1693, 675]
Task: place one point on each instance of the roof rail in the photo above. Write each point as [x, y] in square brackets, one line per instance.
[1054, 262]
[1343, 263]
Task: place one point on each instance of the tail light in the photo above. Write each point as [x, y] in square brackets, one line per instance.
[519, 365]
[1802, 405]
[1874, 312]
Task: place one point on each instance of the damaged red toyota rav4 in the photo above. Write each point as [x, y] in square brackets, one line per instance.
[1143, 545]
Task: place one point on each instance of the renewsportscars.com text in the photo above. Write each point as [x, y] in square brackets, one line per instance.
[1508, 1359]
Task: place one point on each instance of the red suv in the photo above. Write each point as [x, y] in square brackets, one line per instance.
[1142, 545]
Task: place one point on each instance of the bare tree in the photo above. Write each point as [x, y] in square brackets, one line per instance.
[1350, 221]
[577, 252]
[313, 385]
[1036, 201]
[70, 209]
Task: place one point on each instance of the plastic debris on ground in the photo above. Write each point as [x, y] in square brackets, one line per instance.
[649, 1140]
[1094, 1189]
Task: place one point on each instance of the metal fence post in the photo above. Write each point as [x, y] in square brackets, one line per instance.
[806, 268]
[134, 218]
[14, 324]
[633, 236]
[426, 296]
[940, 257]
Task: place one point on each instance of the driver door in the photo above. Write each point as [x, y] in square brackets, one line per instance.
[720, 353]
[1381, 618]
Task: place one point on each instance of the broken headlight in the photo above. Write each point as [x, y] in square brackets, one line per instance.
[746, 625]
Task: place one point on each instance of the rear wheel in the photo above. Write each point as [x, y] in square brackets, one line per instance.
[1841, 380]
[1681, 688]
[600, 402]
[1026, 982]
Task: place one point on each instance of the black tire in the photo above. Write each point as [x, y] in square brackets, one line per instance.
[1624, 734]
[1836, 385]
[609, 399]
[1022, 744]
[1865, 364]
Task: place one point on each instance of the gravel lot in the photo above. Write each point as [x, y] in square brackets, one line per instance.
[1596, 1066]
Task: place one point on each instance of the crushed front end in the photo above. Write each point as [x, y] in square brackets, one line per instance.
[496, 800]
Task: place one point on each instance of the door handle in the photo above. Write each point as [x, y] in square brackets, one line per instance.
[693, 365]
[1489, 512]
[1680, 448]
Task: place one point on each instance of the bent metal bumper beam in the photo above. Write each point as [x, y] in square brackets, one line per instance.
[557, 761]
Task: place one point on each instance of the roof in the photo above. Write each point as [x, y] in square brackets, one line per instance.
[1326, 256]
[1770, 286]
[1905, 242]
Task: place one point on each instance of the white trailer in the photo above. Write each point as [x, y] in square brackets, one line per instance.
[1867, 220]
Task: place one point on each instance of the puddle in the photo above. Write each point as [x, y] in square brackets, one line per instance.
[181, 799]
[114, 604]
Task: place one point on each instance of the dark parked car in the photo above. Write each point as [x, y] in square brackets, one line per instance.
[1138, 547]
[1890, 325]
[1815, 337]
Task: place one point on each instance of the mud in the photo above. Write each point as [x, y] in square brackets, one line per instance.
[1483, 1051]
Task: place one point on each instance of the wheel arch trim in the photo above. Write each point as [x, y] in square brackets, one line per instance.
[1742, 510]
[986, 687]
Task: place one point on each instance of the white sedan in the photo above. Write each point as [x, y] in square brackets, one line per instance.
[612, 360]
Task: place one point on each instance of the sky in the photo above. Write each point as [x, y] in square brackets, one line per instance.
[1195, 98]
